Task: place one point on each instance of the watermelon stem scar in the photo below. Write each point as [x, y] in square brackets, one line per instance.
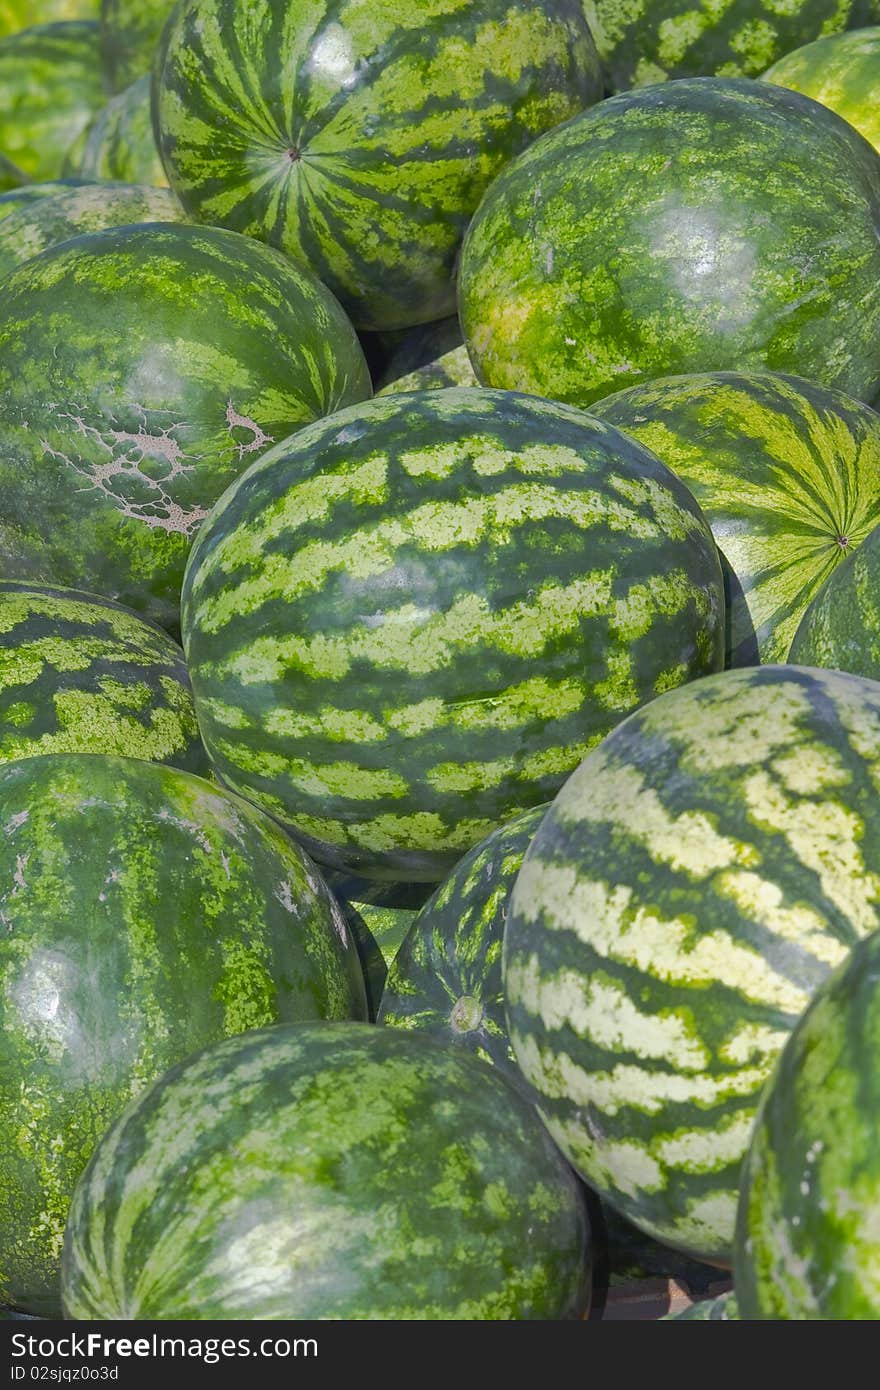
[294, 155]
[467, 1014]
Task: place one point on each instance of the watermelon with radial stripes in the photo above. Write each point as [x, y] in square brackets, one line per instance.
[28, 193]
[120, 144]
[130, 31]
[386, 1178]
[692, 885]
[79, 674]
[146, 913]
[841, 627]
[787, 474]
[181, 353]
[445, 980]
[360, 137]
[843, 72]
[46, 221]
[50, 88]
[410, 621]
[701, 225]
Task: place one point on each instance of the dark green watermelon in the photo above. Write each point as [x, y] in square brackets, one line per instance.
[841, 627]
[843, 72]
[787, 474]
[79, 674]
[29, 193]
[705, 225]
[445, 980]
[409, 622]
[119, 143]
[692, 885]
[372, 961]
[386, 1179]
[180, 353]
[808, 1237]
[130, 31]
[364, 135]
[51, 86]
[146, 914]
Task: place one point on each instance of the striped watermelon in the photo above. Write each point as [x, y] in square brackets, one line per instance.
[841, 627]
[20, 14]
[843, 72]
[410, 621]
[445, 980]
[81, 675]
[706, 225]
[387, 1179]
[51, 85]
[28, 193]
[360, 138]
[371, 959]
[724, 1308]
[808, 1239]
[119, 143]
[130, 31]
[413, 348]
[788, 477]
[181, 353]
[691, 886]
[146, 914]
[451, 369]
[646, 41]
[42, 222]
[388, 926]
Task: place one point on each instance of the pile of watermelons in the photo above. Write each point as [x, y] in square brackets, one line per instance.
[481, 392]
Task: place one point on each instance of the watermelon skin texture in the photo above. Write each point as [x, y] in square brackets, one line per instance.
[388, 926]
[160, 914]
[186, 352]
[445, 980]
[646, 41]
[40, 223]
[807, 1241]
[841, 71]
[446, 598]
[24, 14]
[50, 77]
[787, 474]
[120, 142]
[373, 966]
[387, 1179]
[664, 231]
[693, 884]
[130, 32]
[16, 198]
[451, 369]
[79, 674]
[371, 143]
[841, 628]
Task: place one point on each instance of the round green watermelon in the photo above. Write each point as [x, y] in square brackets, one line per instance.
[787, 474]
[647, 41]
[703, 225]
[51, 86]
[372, 961]
[388, 926]
[451, 369]
[17, 198]
[724, 1308]
[79, 674]
[20, 14]
[841, 628]
[418, 347]
[120, 144]
[360, 138]
[39, 223]
[808, 1238]
[130, 31]
[179, 353]
[445, 980]
[146, 913]
[843, 72]
[692, 885]
[410, 621]
[329, 1171]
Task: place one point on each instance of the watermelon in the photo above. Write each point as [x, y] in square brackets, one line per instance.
[50, 78]
[841, 627]
[705, 225]
[724, 1308]
[451, 369]
[808, 1241]
[179, 354]
[445, 980]
[370, 956]
[147, 913]
[19, 14]
[418, 347]
[28, 193]
[42, 222]
[646, 41]
[327, 1171]
[119, 143]
[410, 621]
[81, 675]
[787, 474]
[843, 72]
[388, 926]
[360, 138]
[130, 31]
[693, 883]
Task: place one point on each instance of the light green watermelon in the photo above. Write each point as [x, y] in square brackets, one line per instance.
[130, 31]
[843, 72]
[42, 222]
[119, 143]
[841, 627]
[22, 14]
[27, 193]
[50, 88]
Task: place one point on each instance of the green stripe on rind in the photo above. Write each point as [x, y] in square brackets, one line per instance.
[180, 353]
[409, 622]
[30, 193]
[40, 224]
[705, 225]
[445, 980]
[843, 72]
[808, 1245]
[841, 628]
[120, 142]
[695, 881]
[50, 77]
[130, 31]
[79, 674]
[145, 913]
[360, 140]
[786, 473]
[387, 1179]
[724, 1308]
